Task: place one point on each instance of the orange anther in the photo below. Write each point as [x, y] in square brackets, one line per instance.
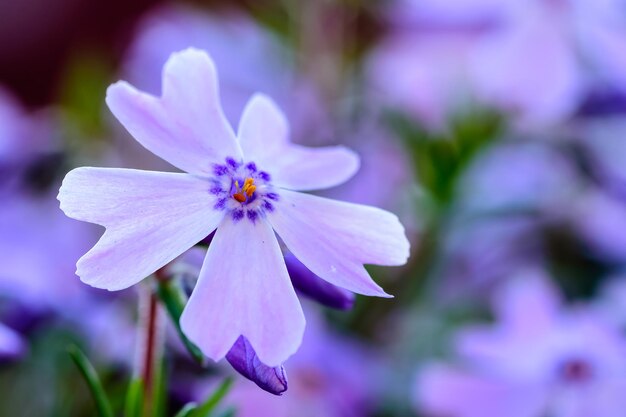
[250, 190]
[239, 197]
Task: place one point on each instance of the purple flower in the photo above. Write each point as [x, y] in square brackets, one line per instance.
[153, 217]
[539, 359]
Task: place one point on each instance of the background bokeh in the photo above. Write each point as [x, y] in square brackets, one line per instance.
[495, 129]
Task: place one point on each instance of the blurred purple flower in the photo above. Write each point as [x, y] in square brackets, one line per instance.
[498, 246]
[173, 28]
[153, 217]
[24, 139]
[522, 175]
[447, 13]
[485, 47]
[38, 244]
[425, 76]
[11, 344]
[603, 143]
[611, 298]
[39, 247]
[600, 219]
[538, 359]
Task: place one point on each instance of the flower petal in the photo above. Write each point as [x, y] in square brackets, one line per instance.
[264, 137]
[150, 217]
[334, 239]
[244, 290]
[263, 129]
[186, 126]
[244, 360]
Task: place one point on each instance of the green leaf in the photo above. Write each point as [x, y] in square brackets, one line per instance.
[91, 377]
[133, 405]
[209, 405]
[174, 300]
[187, 410]
[160, 390]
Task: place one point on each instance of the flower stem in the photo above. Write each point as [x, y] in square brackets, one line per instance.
[149, 347]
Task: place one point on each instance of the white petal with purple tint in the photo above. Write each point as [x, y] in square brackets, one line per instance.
[150, 217]
[264, 137]
[263, 129]
[244, 289]
[335, 239]
[302, 169]
[186, 126]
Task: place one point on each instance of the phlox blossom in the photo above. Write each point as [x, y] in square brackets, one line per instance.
[539, 359]
[245, 185]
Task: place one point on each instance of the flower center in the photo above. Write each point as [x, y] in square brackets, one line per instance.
[242, 189]
[246, 192]
[576, 370]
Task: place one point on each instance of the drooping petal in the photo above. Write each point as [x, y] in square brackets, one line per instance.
[309, 284]
[243, 358]
[186, 126]
[334, 239]
[150, 219]
[244, 290]
[264, 137]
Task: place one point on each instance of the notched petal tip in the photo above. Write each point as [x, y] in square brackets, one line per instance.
[118, 92]
[82, 271]
[181, 63]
